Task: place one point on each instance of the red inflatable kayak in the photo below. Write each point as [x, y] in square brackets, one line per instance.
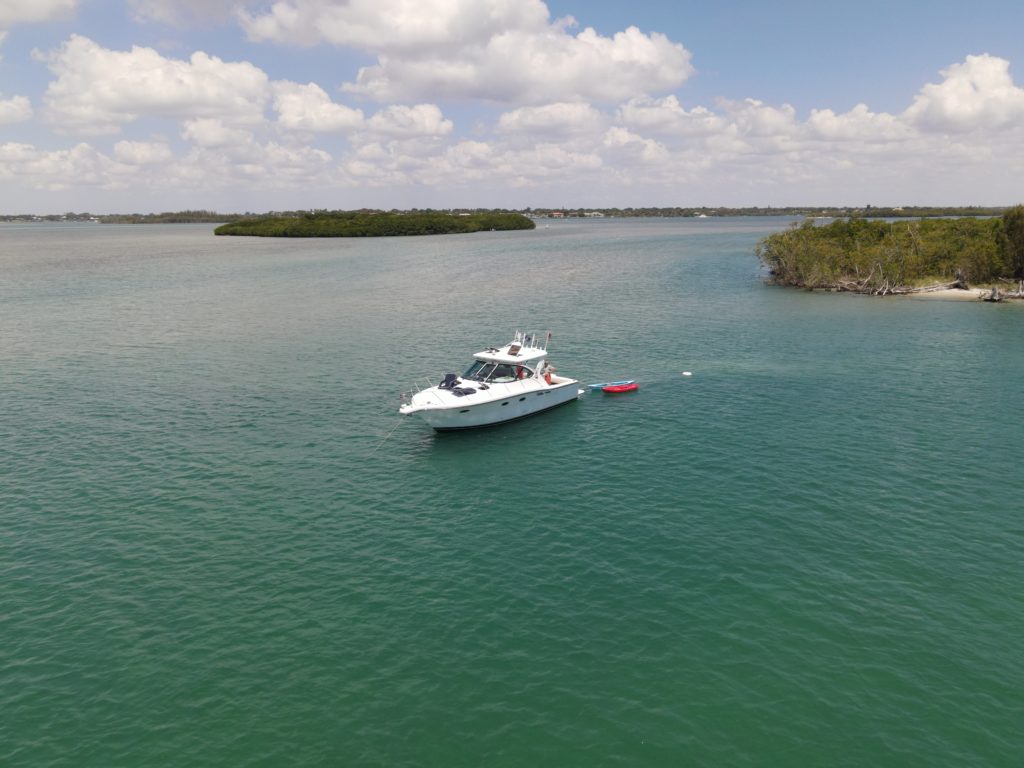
[615, 388]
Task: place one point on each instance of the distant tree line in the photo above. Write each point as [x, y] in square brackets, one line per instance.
[798, 210]
[50, 217]
[373, 224]
[213, 217]
[169, 217]
[885, 256]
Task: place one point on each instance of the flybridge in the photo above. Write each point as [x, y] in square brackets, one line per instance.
[523, 347]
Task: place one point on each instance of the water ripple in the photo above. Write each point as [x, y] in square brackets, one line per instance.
[219, 545]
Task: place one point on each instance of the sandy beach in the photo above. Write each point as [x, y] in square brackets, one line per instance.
[953, 294]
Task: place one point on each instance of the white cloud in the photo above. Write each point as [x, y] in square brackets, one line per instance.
[309, 108]
[859, 124]
[419, 121]
[142, 152]
[552, 120]
[17, 109]
[534, 67]
[210, 132]
[374, 165]
[291, 164]
[629, 146]
[553, 160]
[545, 163]
[471, 154]
[752, 117]
[79, 166]
[470, 162]
[976, 93]
[248, 166]
[654, 145]
[392, 27]
[12, 155]
[398, 147]
[668, 116]
[32, 11]
[495, 50]
[98, 90]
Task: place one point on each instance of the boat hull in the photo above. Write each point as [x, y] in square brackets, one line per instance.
[512, 406]
[617, 389]
[604, 384]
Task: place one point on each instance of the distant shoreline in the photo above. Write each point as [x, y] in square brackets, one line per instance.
[696, 212]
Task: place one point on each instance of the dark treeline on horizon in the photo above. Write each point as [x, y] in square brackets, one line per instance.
[213, 217]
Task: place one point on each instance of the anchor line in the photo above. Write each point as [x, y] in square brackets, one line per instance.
[389, 434]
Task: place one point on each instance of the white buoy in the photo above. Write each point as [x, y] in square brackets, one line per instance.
[687, 373]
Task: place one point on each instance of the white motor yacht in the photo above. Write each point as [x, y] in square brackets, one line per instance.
[502, 384]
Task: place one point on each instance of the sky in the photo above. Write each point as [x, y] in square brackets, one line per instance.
[144, 106]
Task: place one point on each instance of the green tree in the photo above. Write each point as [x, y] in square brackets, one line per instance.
[1013, 241]
[872, 255]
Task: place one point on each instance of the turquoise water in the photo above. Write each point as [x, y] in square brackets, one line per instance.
[219, 545]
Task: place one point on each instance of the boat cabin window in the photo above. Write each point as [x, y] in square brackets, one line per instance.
[499, 373]
[502, 374]
[478, 371]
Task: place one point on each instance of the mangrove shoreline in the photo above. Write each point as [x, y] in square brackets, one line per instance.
[901, 257]
[363, 224]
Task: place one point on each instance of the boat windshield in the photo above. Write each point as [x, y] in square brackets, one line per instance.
[499, 373]
[477, 371]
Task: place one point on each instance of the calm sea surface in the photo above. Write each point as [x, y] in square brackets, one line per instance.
[220, 546]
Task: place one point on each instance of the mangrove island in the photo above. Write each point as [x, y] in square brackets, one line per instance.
[374, 224]
[900, 257]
